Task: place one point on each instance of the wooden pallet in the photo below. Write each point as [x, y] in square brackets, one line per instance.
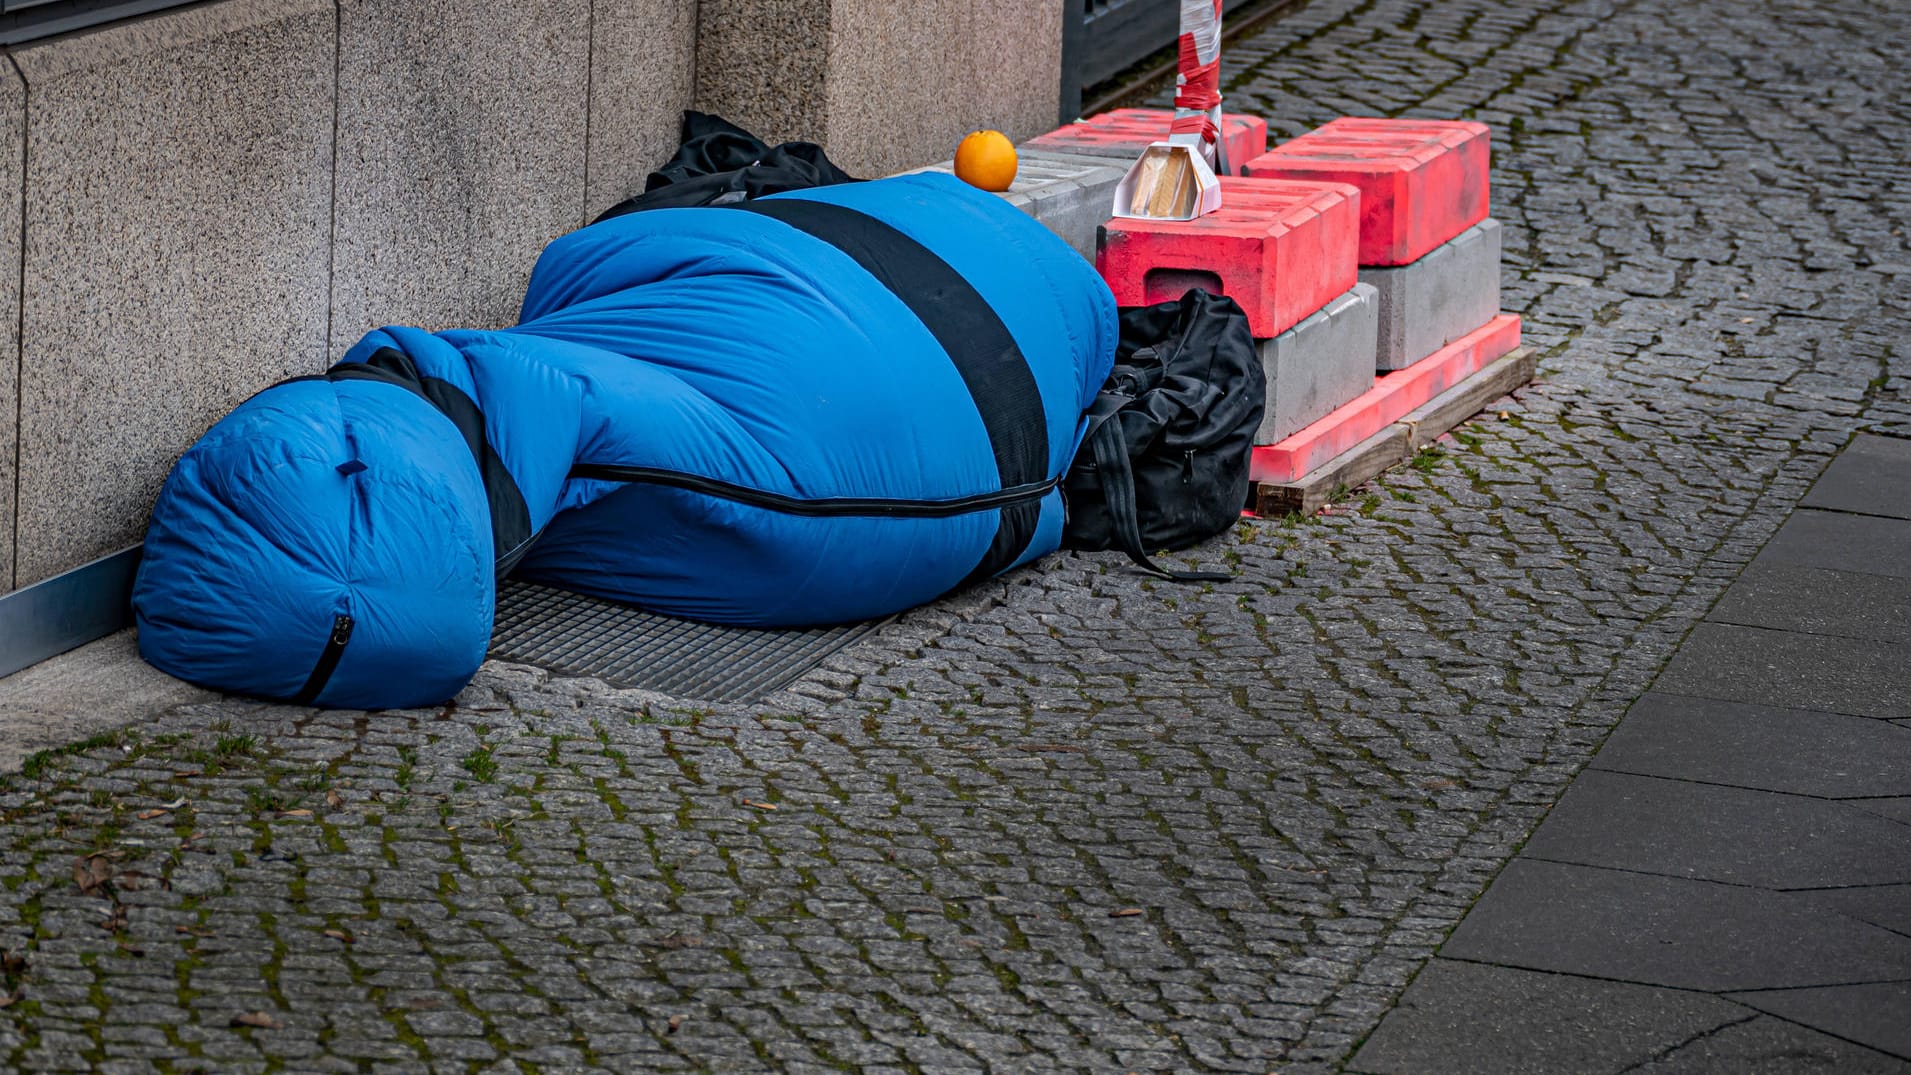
[1398, 442]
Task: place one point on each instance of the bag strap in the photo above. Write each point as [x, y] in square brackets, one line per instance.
[1118, 489]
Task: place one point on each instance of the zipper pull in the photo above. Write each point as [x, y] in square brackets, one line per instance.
[327, 661]
[1187, 467]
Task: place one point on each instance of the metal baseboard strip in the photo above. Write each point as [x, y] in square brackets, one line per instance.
[69, 610]
[555, 629]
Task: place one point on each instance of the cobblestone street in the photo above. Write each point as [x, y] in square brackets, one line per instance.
[1073, 819]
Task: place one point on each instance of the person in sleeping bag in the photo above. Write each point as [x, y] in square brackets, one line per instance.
[810, 408]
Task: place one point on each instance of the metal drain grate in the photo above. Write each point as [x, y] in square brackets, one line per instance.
[629, 647]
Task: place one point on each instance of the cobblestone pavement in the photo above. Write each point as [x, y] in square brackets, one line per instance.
[1074, 819]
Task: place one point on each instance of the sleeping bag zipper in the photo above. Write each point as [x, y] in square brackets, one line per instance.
[327, 662]
[821, 506]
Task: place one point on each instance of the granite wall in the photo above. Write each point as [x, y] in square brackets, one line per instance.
[212, 199]
[884, 86]
[207, 200]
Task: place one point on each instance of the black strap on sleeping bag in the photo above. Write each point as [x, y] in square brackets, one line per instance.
[983, 350]
[510, 517]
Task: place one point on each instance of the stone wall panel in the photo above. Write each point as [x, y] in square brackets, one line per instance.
[177, 221]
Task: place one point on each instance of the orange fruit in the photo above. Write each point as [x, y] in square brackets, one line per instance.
[986, 159]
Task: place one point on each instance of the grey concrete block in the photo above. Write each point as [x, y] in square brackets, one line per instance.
[461, 153]
[178, 229]
[1071, 195]
[13, 127]
[1438, 299]
[642, 78]
[1319, 364]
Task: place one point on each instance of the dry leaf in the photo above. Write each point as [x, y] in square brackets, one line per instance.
[1126, 912]
[184, 774]
[116, 921]
[757, 805]
[148, 815]
[12, 964]
[193, 931]
[1502, 416]
[174, 805]
[675, 1022]
[295, 813]
[91, 872]
[333, 799]
[11, 999]
[258, 1019]
[133, 880]
[339, 935]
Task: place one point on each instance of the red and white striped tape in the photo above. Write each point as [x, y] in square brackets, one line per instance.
[1197, 91]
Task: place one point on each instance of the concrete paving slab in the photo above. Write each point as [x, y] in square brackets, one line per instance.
[1877, 1014]
[1319, 365]
[1837, 541]
[1797, 751]
[1441, 297]
[1768, 1046]
[1751, 664]
[1473, 1019]
[95, 688]
[1739, 836]
[1670, 931]
[1897, 809]
[1872, 476]
[1819, 601]
[1888, 906]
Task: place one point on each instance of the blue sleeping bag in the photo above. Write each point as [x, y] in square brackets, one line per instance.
[810, 408]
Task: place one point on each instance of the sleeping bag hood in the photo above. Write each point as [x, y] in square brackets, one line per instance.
[810, 408]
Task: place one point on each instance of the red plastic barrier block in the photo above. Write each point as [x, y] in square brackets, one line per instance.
[1422, 182]
[1392, 398]
[1280, 249]
[1126, 131]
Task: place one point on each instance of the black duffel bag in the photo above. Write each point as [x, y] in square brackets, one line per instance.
[1164, 464]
